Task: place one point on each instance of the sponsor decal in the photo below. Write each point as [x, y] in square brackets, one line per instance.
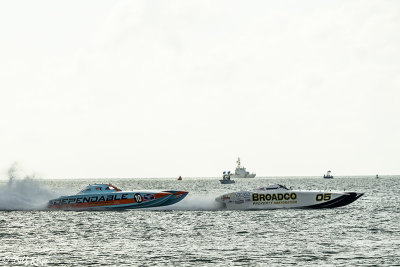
[276, 202]
[148, 196]
[243, 194]
[138, 198]
[88, 199]
[274, 197]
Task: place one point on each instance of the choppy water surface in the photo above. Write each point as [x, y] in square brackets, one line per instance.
[196, 232]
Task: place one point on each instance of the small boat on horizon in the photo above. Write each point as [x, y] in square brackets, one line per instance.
[226, 178]
[328, 175]
[108, 196]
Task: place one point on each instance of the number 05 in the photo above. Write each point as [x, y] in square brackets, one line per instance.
[324, 197]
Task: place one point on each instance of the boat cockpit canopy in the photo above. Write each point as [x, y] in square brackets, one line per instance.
[98, 188]
[273, 187]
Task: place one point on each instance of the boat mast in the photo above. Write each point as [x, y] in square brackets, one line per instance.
[238, 162]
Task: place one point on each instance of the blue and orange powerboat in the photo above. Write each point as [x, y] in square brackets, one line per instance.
[108, 196]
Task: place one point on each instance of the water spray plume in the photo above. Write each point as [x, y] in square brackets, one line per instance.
[23, 193]
[195, 202]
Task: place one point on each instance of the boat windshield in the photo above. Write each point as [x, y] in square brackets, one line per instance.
[113, 187]
[85, 190]
[273, 187]
[99, 187]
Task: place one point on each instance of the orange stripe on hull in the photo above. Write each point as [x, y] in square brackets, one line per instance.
[94, 204]
[180, 193]
[160, 195]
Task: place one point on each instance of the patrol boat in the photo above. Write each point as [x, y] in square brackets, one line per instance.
[280, 197]
[328, 175]
[108, 196]
[240, 171]
[226, 178]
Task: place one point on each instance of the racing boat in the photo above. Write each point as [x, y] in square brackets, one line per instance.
[108, 196]
[280, 197]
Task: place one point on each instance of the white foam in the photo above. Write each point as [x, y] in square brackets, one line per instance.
[23, 193]
[194, 202]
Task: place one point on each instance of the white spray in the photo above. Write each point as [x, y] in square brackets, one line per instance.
[194, 202]
[29, 194]
[23, 193]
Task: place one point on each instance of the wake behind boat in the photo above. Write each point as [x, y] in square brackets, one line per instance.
[280, 197]
[108, 196]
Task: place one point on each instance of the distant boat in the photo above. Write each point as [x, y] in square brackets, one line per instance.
[226, 178]
[377, 176]
[240, 171]
[180, 178]
[328, 175]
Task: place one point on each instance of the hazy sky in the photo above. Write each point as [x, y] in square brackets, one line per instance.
[169, 88]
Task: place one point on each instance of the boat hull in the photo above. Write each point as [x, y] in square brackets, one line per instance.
[115, 200]
[252, 175]
[227, 181]
[286, 199]
[175, 198]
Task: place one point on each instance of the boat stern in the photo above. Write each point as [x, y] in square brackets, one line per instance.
[176, 197]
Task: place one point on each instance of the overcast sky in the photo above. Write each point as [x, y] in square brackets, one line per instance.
[168, 88]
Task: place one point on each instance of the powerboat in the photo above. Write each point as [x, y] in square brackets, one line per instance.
[226, 178]
[108, 196]
[280, 197]
[240, 171]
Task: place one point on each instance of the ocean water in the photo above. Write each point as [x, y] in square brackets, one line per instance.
[196, 231]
